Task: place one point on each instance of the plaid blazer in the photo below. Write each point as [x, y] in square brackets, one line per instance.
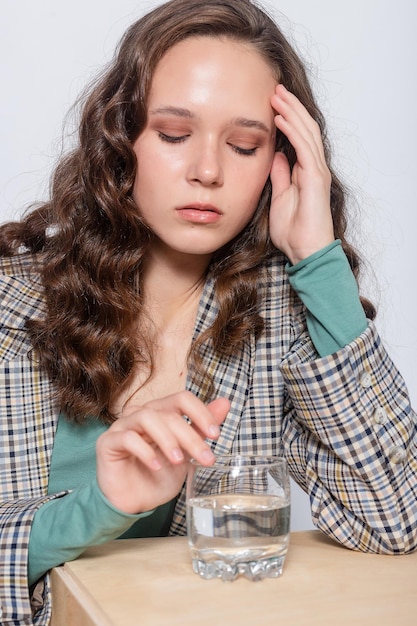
[343, 422]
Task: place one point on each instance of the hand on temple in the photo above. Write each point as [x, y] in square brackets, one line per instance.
[300, 217]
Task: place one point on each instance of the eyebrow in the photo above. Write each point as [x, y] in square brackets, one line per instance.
[169, 110]
[186, 113]
[245, 123]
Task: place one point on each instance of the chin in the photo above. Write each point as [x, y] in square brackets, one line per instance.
[199, 248]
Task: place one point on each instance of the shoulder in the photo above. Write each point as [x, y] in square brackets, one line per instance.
[21, 292]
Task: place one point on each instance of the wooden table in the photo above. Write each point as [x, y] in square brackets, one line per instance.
[143, 582]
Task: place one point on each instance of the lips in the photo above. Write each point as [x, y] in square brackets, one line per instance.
[200, 213]
[201, 207]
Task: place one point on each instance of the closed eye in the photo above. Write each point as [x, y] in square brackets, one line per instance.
[172, 138]
[243, 151]
[181, 138]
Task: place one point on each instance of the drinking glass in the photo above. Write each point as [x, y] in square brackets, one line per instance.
[238, 517]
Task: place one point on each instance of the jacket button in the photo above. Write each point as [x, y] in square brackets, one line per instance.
[397, 455]
[365, 380]
[380, 415]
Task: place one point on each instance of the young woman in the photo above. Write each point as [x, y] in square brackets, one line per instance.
[186, 291]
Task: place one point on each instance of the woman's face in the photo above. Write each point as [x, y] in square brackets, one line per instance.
[206, 150]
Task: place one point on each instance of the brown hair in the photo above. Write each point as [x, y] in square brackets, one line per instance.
[92, 240]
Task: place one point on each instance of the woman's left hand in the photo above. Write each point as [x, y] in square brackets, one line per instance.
[300, 218]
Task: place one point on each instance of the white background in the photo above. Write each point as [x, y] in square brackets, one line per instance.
[363, 59]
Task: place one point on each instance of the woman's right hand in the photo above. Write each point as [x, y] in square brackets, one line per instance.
[301, 220]
[142, 458]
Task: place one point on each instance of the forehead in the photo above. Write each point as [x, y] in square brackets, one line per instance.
[204, 68]
[200, 47]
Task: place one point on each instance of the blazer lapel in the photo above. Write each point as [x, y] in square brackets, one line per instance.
[231, 378]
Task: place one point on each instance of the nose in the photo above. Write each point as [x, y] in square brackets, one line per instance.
[205, 167]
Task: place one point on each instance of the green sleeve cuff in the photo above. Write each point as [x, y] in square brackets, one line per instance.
[292, 270]
[64, 527]
[327, 287]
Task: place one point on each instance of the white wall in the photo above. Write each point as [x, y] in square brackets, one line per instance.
[364, 58]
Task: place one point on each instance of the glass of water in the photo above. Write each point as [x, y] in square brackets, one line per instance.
[238, 517]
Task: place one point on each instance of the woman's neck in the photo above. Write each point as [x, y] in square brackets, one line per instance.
[172, 285]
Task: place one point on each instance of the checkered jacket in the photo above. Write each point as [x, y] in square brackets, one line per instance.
[344, 423]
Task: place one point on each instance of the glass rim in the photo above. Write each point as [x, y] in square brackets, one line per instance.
[242, 460]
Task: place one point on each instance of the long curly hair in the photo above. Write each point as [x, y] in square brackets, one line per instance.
[92, 240]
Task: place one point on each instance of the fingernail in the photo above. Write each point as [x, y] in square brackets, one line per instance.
[177, 454]
[156, 465]
[207, 455]
[214, 430]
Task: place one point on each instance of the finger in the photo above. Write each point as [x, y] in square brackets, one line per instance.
[117, 445]
[161, 422]
[291, 108]
[280, 174]
[187, 404]
[182, 404]
[176, 439]
[219, 409]
[297, 124]
[309, 150]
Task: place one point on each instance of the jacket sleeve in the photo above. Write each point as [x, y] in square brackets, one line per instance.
[18, 604]
[28, 417]
[350, 436]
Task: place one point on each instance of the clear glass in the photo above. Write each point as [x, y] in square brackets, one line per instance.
[238, 517]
